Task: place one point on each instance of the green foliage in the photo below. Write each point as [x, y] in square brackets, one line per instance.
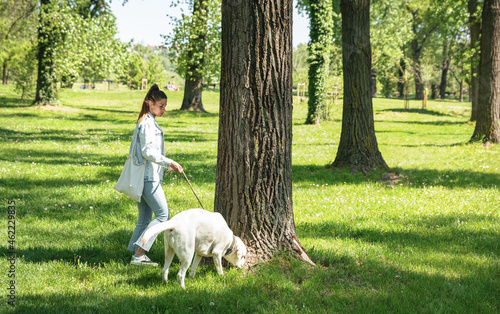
[17, 21]
[195, 41]
[89, 48]
[92, 8]
[103, 54]
[72, 44]
[319, 49]
[25, 74]
[390, 33]
[133, 71]
[154, 69]
[394, 25]
[143, 62]
[425, 242]
[300, 66]
[17, 49]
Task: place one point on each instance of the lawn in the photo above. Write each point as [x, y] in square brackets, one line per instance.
[427, 241]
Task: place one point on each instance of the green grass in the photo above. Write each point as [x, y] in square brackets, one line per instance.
[428, 243]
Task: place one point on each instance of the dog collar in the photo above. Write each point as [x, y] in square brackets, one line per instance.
[233, 247]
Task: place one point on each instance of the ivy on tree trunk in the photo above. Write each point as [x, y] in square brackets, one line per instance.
[46, 87]
[319, 49]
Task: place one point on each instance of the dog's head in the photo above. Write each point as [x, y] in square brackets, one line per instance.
[237, 257]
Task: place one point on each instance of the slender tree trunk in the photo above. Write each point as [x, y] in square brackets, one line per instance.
[46, 86]
[4, 72]
[475, 30]
[417, 72]
[488, 111]
[444, 71]
[358, 148]
[253, 190]
[401, 72]
[461, 99]
[193, 86]
[374, 82]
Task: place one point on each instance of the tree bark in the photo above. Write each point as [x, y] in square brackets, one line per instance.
[193, 86]
[358, 148]
[487, 128]
[374, 82]
[253, 188]
[475, 30]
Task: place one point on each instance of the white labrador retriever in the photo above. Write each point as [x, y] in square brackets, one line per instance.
[201, 232]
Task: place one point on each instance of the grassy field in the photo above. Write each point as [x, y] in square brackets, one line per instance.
[426, 242]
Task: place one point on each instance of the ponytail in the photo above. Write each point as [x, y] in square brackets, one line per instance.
[154, 94]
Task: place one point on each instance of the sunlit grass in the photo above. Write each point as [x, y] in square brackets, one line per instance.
[427, 242]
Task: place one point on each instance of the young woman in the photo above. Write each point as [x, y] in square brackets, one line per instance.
[150, 148]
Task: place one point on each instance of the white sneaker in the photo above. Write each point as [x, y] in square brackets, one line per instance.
[142, 260]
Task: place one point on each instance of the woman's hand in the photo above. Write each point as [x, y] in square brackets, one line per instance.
[176, 167]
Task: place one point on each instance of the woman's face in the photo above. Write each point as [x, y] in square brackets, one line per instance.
[158, 107]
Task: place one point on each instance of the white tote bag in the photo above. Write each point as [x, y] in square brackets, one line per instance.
[131, 181]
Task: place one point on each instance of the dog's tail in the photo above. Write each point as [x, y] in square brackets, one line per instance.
[154, 230]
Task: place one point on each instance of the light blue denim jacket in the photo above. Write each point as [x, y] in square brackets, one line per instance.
[150, 147]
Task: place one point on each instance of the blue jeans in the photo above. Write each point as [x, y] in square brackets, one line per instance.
[152, 200]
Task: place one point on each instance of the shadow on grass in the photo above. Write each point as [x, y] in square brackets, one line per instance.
[440, 234]
[436, 123]
[450, 179]
[102, 249]
[103, 135]
[349, 284]
[13, 102]
[304, 174]
[418, 111]
[429, 145]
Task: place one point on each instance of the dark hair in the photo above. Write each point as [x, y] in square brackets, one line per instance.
[154, 94]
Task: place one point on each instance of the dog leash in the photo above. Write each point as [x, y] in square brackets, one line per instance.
[192, 189]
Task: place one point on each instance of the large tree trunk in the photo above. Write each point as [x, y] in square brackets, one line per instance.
[194, 75]
[475, 30]
[358, 148]
[444, 71]
[487, 128]
[46, 85]
[253, 188]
